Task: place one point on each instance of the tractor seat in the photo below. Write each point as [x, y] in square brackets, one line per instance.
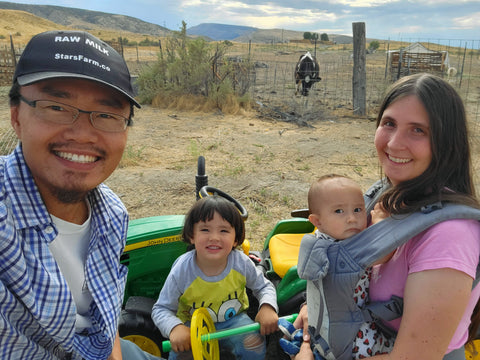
[284, 249]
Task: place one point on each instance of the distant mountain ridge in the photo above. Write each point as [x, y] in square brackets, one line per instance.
[220, 31]
[87, 19]
[237, 33]
[95, 20]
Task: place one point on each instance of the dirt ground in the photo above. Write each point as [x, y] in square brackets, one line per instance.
[265, 164]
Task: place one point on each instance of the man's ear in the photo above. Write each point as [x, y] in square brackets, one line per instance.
[314, 220]
[14, 120]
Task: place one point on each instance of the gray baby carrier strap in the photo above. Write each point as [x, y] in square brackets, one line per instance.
[333, 269]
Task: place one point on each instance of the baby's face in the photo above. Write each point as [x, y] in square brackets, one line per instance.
[341, 211]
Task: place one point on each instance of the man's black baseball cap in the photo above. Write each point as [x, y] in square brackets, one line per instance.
[73, 54]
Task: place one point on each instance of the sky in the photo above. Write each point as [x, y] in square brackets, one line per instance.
[384, 19]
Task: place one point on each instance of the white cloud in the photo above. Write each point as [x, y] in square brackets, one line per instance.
[264, 15]
[470, 21]
[364, 3]
[444, 2]
[383, 18]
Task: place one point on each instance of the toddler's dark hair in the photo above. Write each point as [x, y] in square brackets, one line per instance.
[205, 208]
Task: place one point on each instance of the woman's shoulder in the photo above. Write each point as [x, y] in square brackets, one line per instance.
[451, 232]
[456, 225]
[451, 243]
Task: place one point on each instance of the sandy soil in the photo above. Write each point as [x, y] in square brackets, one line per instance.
[264, 163]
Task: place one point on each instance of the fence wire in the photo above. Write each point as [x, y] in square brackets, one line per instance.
[274, 81]
[8, 141]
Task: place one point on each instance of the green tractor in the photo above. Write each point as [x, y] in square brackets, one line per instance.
[154, 243]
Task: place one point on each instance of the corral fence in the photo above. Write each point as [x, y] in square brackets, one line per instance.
[272, 84]
[458, 63]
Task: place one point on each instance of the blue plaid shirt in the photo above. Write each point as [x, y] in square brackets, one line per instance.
[37, 311]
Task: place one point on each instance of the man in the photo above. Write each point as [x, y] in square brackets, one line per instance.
[61, 230]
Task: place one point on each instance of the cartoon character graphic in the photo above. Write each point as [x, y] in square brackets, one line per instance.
[223, 299]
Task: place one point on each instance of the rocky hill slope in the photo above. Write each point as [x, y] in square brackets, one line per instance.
[87, 20]
[49, 17]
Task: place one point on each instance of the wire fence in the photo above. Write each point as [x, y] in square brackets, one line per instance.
[274, 76]
[273, 85]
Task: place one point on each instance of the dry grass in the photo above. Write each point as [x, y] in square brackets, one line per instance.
[266, 163]
[22, 25]
[199, 103]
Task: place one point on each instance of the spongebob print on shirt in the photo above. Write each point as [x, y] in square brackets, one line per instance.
[223, 299]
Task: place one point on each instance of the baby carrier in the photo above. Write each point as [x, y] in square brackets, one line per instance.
[332, 270]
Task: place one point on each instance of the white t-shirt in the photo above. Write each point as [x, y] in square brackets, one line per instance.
[70, 249]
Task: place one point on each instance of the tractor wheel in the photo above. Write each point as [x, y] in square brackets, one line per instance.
[139, 328]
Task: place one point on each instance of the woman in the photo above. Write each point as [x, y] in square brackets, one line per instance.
[422, 145]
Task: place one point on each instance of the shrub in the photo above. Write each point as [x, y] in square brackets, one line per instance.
[195, 68]
[374, 45]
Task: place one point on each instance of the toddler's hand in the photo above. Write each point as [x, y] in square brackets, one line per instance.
[180, 338]
[268, 319]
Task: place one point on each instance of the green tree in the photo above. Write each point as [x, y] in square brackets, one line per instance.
[123, 41]
[324, 37]
[307, 35]
[374, 45]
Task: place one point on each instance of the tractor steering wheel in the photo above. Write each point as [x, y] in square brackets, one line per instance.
[210, 190]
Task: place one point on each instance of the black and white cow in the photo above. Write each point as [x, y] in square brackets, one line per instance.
[306, 73]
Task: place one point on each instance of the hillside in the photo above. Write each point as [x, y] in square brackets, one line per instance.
[81, 19]
[23, 25]
[109, 26]
[220, 31]
[245, 34]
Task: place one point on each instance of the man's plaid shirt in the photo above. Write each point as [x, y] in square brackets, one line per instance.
[37, 311]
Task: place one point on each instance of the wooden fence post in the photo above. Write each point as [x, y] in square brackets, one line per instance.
[359, 69]
[400, 62]
[13, 52]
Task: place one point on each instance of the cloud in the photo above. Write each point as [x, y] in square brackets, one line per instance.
[365, 3]
[471, 21]
[260, 14]
[458, 19]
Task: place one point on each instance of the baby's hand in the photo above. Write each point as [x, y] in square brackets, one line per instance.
[268, 319]
[301, 322]
[180, 338]
[378, 213]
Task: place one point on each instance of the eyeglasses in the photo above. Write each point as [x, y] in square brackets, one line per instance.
[59, 113]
